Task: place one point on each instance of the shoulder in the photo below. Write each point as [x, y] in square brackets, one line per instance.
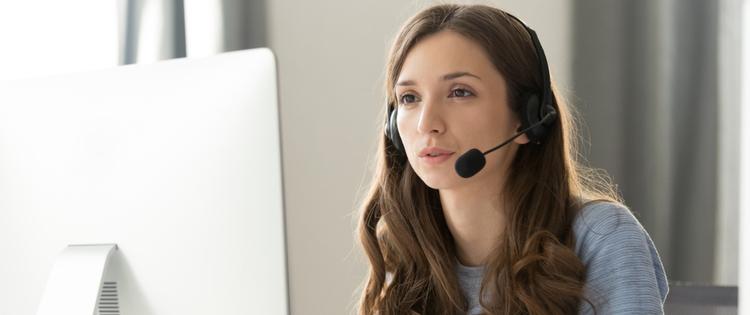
[602, 228]
[623, 268]
[608, 227]
[601, 218]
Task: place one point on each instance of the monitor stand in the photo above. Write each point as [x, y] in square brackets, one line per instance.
[76, 284]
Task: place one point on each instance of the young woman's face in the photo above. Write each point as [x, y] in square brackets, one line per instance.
[451, 97]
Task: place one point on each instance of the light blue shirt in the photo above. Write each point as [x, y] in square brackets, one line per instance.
[624, 274]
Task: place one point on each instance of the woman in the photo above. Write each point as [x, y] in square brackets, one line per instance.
[524, 227]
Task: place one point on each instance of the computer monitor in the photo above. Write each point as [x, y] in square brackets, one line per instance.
[159, 183]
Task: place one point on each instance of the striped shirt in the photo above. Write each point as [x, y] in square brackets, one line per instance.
[624, 274]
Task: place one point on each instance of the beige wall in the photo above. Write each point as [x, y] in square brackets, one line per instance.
[331, 65]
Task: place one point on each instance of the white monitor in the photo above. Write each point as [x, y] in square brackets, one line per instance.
[177, 163]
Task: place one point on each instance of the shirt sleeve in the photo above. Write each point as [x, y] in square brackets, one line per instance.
[624, 273]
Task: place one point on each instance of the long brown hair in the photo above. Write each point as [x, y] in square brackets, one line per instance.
[533, 269]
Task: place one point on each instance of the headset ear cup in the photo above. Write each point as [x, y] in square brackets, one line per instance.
[549, 109]
[392, 130]
[531, 116]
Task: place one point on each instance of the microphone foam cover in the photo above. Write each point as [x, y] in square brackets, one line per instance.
[470, 163]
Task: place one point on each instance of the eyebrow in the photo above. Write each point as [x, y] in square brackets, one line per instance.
[449, 76]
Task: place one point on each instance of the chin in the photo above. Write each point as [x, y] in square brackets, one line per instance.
[438, 180]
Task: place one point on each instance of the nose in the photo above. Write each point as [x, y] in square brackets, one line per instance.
[431, 119]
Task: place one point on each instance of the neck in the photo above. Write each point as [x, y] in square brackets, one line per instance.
[476, 218]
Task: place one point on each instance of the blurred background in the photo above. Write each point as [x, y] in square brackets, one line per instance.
[657, 84]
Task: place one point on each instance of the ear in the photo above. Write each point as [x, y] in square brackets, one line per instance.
[522, 139]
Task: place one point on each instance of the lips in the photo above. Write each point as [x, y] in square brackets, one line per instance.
[434, 152]
[436, 160]
[435, 155]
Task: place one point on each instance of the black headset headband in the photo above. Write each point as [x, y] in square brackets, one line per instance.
[542, 60]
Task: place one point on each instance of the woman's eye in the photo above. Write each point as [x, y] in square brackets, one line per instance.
[407, 98]
[461, 93]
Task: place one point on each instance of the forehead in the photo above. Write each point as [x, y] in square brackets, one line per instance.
[445, 52]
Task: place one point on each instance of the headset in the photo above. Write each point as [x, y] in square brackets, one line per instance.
[536, 115]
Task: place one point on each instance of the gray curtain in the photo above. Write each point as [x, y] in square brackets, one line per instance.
[243, 27]
[171, 36]
[645, 76]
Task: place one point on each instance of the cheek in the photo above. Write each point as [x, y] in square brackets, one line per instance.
[480, 128]
[406, 128]
[407, 124]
